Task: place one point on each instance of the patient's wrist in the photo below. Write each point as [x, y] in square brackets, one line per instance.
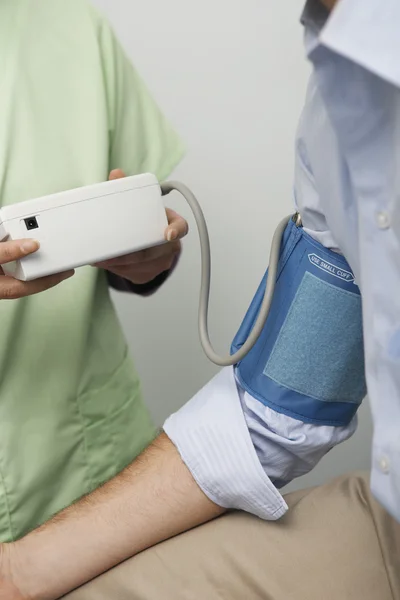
[14, 582]
[26, 573]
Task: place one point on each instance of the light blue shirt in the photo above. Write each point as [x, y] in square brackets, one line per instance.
[347, 189]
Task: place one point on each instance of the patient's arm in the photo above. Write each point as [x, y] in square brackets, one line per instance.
[153, 499]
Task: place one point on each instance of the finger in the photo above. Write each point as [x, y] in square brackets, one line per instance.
[10, 251]
[177, 226]
[143, 257]
[116, 174]
[11, 289]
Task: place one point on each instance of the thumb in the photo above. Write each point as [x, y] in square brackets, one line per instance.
[16, 249]
[116, 174]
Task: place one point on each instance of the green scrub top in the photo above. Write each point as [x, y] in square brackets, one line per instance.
[72, 108]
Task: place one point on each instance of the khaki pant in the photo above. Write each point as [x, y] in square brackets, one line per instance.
[335, 543]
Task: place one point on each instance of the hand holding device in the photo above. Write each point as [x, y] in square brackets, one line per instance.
[145, 265]
[120, 225]
[11, 288]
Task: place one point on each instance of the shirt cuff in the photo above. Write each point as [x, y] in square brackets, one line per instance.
[212, 437]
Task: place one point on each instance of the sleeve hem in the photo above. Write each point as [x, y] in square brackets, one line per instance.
[211, 435]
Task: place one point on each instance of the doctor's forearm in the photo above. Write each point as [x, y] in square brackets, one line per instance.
[153, 499]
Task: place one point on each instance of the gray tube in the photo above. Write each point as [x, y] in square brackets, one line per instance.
[231, 359]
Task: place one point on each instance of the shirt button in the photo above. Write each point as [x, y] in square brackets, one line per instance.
[383, 220]
[384, 465]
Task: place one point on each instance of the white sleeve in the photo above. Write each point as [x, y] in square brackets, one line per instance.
[212, 437]
[240, 452]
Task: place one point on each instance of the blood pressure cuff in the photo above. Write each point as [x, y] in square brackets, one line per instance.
[309, 360]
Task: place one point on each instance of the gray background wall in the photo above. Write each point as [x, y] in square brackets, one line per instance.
[231, 76]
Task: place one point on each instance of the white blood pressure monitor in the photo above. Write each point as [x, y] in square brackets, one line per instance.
[86, 225]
